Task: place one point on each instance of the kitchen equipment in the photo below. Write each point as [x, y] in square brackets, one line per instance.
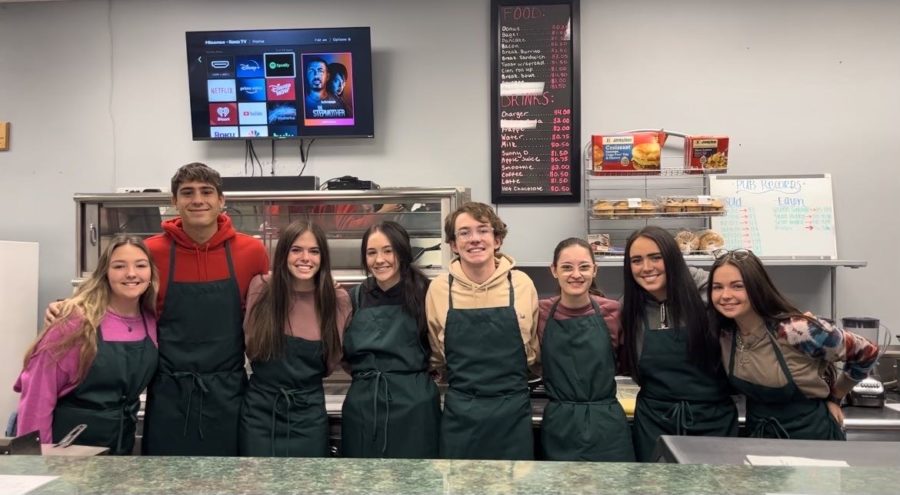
[863, 326]
[867, 393]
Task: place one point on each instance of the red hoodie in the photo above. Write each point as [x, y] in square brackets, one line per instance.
[206, 262]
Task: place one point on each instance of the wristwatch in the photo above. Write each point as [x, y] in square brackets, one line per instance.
[834, 399]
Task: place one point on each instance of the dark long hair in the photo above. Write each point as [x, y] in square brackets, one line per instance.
[272, 310]
[415, 283]
[577, 241]
[685, 307]
[765, 299]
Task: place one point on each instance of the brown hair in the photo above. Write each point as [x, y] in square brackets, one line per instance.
[478, 211]
[90, 303]
[268, 316]
[577, 241]
[196, 172]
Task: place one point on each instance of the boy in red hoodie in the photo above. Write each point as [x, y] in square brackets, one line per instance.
[205, 267]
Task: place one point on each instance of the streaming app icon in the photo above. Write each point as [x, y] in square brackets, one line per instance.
[283, 113]
[220, 66]
[252, 113]
[220, 90]
[281, 88]
[223, 114]
[223, 132]
[249, 66]
[280, 64]
[251, 89]
[254, 131]
[283, 131]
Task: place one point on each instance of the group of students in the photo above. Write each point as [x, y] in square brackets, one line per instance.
[169, 315]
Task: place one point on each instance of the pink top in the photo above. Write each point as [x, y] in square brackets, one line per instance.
[48, 377]
[303, 321]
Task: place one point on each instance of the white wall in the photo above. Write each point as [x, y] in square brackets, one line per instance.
[97, 95]
[18, 295]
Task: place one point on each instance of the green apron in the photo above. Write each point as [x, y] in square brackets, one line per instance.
[108, 398]
[487, 409]
[677, 397]
[784, 412]
[284, 408]
[583, 420]
[393, 407]
[194, 401]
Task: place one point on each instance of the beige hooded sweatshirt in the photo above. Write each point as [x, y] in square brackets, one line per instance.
[491, 294]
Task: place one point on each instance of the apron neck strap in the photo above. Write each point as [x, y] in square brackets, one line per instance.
[172, 262]
[512, 294]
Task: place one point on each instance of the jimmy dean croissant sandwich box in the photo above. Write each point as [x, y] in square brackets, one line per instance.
[706, 154]
[637, 152]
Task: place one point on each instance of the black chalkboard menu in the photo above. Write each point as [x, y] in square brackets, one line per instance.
[535, 97]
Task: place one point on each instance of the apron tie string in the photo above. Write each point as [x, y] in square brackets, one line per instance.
[196, 382]
[292, 397]
[769, 426]
[379, 380]
[682, 415]
[126, 412]
[587, 410]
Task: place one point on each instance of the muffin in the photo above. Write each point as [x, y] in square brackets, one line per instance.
[692, 205]
[673, 205]
[602, 208]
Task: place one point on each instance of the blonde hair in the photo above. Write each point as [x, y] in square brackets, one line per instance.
[90, 303]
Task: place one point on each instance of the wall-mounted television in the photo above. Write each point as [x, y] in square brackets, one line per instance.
[280, 83]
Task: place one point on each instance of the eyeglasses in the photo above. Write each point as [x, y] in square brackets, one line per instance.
[469, 234]
[734, 254]
[570, 269]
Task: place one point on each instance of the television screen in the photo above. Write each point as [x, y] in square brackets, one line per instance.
[282, 83]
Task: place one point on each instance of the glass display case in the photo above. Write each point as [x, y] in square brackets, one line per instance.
[344, 215]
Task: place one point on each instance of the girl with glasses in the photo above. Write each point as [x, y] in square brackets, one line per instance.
[669, 348]
[579, 332]
[779, 358]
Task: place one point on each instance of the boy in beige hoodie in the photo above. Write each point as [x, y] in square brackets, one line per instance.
[482, 326]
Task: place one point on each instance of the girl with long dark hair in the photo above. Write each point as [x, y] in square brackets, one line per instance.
[670, 350]
[393, 406]
[779, 358]
[579, 332]
[293, 328]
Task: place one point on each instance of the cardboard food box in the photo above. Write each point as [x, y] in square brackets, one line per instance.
[637, 152]
[706, 154]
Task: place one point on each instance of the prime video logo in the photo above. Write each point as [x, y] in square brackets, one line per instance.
[275, 65]
[250, 90]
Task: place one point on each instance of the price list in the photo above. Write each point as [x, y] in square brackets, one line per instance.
[535, 125]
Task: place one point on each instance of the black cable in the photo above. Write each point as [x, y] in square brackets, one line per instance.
[304, 155]
[273, 157]
[246, 154]
[255, 158]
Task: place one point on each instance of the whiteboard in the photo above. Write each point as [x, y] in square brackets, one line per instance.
[786, 216]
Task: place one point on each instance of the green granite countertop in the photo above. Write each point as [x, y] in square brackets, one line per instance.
[247, 475]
